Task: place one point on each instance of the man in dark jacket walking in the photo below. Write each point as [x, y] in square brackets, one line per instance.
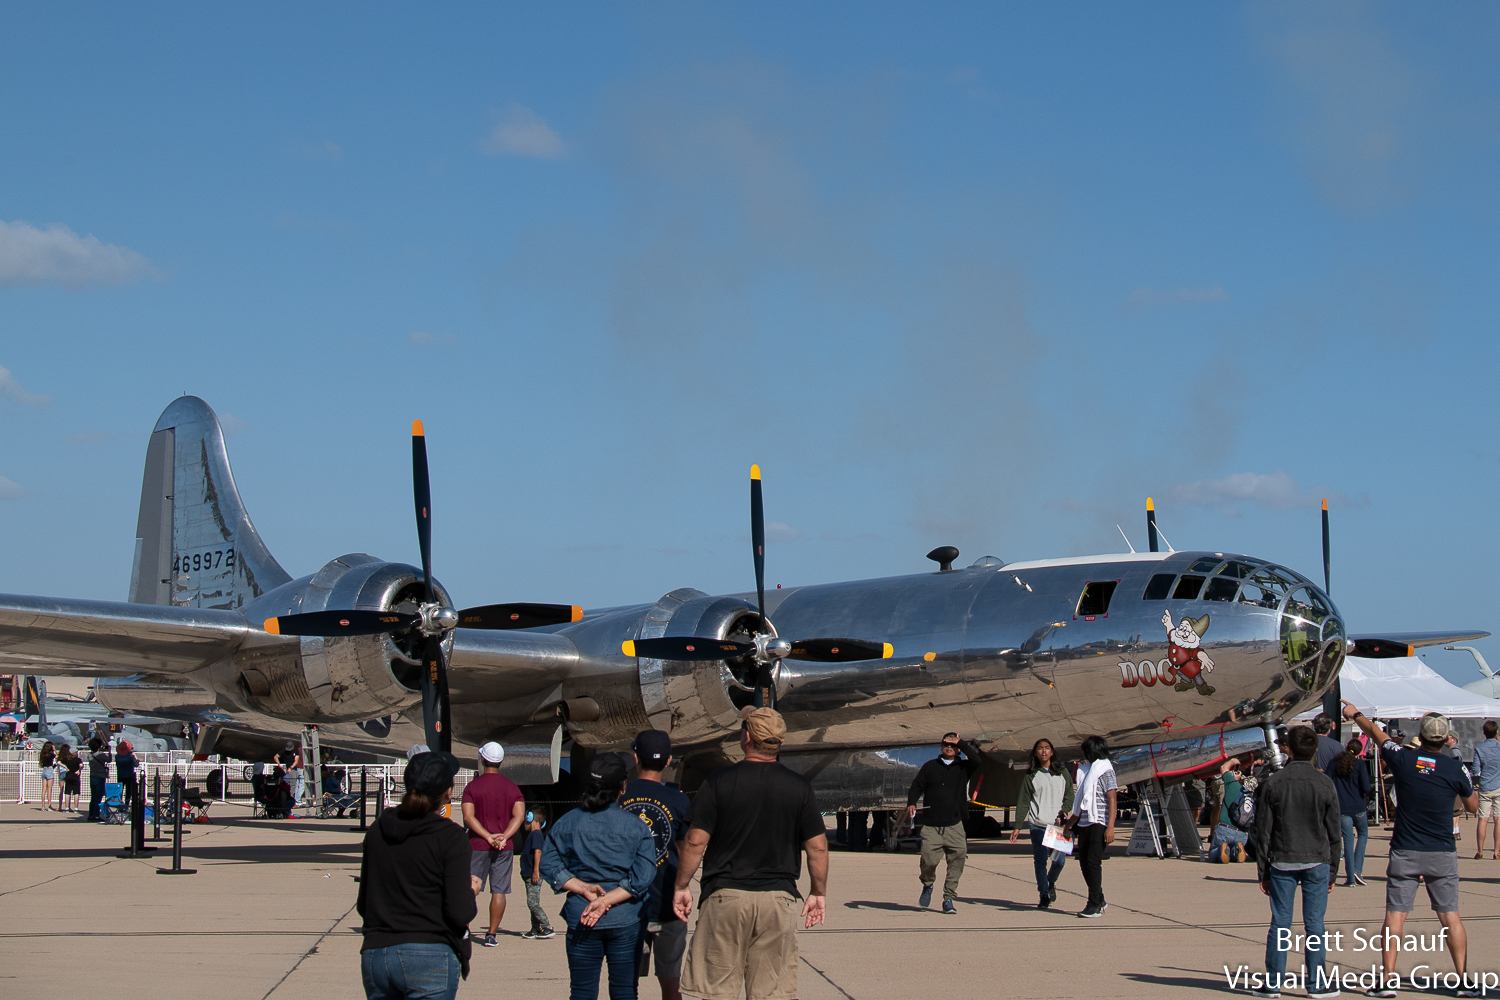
[943, 785]
[1298, 835]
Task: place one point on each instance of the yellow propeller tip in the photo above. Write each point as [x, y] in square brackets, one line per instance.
[887, 651]
[754, 472]
[272, 626]
[929, 657]
[628, 647]
[416, 429]
[577, 613]
[1149, 504]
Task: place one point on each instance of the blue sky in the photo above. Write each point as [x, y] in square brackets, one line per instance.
[987, 275]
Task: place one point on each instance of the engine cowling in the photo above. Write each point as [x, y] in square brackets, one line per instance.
[339, 679]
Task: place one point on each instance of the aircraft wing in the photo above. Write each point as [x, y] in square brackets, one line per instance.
[59, 637]
[1384, 645]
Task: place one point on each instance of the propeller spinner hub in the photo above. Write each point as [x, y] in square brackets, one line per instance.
[437, 619]
[770, 647]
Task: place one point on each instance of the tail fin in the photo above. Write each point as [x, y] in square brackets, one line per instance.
[195, 546]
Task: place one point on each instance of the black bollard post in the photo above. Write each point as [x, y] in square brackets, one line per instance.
[156, 806]
[137, 847]
[364, 801]
[177, 868]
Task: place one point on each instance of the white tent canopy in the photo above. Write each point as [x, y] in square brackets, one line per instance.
[1404, 687]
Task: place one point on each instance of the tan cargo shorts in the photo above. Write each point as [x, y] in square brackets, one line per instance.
[744, 940]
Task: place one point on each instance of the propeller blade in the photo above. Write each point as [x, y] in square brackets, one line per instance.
[1327, 557]
[1333, 699]
[758, 541]
[422, 495]
[1151, 523]
[685, 648]
[765, 686]
[839, 650]
[331, 623]
[436, 720]
[1382, 649]
[506, 616]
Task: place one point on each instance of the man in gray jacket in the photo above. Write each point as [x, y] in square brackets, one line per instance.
[1298, 833]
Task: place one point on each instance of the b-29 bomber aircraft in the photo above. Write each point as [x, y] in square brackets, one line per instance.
[1177, 658]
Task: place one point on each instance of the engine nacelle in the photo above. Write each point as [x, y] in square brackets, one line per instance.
[340, 679]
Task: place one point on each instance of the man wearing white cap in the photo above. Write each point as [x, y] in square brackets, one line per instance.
[494, 809]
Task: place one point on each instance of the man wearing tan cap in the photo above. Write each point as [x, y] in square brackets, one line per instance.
[749, 826]
[1426, 781]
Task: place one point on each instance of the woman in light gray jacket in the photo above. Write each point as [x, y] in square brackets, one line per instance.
[1046, 793]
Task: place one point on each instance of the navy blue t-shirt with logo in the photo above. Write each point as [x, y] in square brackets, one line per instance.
[665, 810]
[1426, 783]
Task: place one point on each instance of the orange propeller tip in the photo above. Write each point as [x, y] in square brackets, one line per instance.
[628, 647]
[887, 651]
[272, 626]
[1325, 503]
[754, 472]
[416, 429]
[929, 657]
[577, 613]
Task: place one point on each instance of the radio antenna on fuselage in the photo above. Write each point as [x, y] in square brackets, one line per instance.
[1126, 537]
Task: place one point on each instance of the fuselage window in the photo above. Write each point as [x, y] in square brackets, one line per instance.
[1235, 569]
[1096, 595]
[1159, 587]
[1203, 566]
[1221, 589]
[1187, 588]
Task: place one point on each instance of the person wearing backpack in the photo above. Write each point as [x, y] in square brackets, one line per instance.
[1227, 843]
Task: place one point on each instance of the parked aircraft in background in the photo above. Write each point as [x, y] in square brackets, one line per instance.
[1175, 657]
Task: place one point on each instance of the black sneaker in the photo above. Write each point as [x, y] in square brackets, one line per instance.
[1265, 991]
[489, 941]
[1380, 991]
[1044, 903]
[1051, 892]
[1089, 912]
[948, 906]
[925, 900]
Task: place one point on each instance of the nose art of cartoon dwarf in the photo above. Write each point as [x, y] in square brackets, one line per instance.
[1185, 650]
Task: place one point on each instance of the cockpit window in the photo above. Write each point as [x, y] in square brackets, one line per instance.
[1236, 569]
[1203, 566]
[1187, 588]
[1221, 588]
[1095, 598]
[1159, 588]
[1312, 638]
[1261, 596]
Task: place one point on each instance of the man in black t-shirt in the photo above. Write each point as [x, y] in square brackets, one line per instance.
[750, 824]
[1426, 780]
[665, 810]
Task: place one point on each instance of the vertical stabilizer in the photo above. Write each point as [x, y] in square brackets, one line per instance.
[195, 545]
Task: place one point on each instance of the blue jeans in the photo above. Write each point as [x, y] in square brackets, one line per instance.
[1225, 834]
[1354, 849]
[1314, 882]
[410, 972]
[587, 949]
[96, 796]
[1044, 876]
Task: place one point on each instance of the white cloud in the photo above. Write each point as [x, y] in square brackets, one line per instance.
[317, 152]
[231, 424]
[1271, 491]
[522, 132]
[12, 491]
[58, 256]
[780, 532]
[11, 389]
[1141, 298]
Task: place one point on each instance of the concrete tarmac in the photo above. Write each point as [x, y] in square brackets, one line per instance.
[271, 914]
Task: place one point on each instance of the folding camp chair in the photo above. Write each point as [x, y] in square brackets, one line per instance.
[114, 807]
[194, 805]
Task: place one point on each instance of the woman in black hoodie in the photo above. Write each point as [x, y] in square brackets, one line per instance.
[414, 891]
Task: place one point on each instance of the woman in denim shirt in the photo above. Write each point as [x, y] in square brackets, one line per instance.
[605, 859]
